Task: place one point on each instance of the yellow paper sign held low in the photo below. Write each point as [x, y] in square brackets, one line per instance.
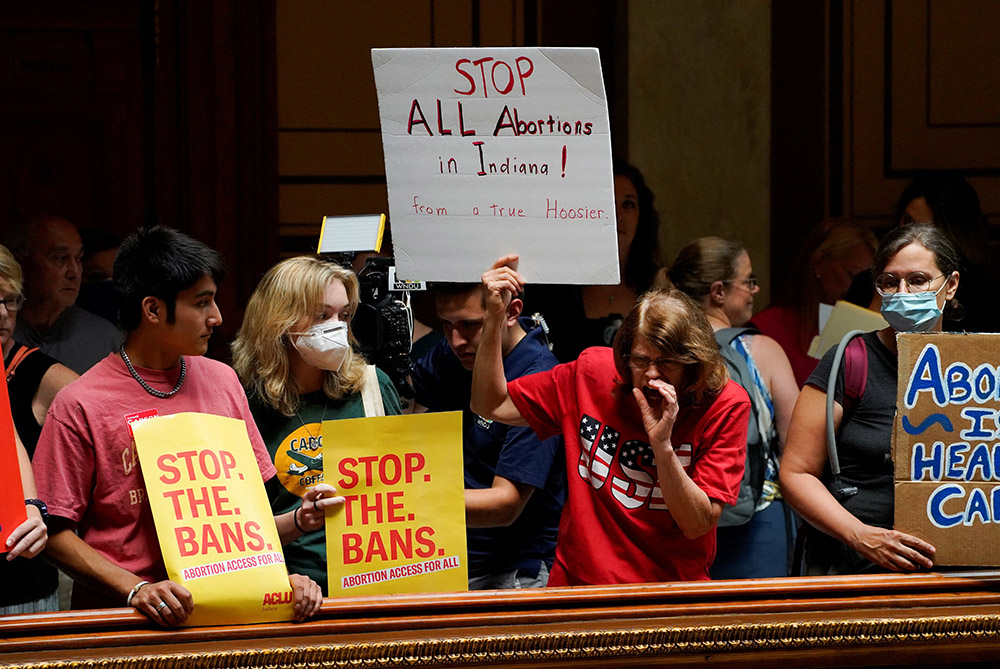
[213, 520]
[402, 528]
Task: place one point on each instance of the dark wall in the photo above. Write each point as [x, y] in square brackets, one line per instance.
[117, 114]
[799, 124]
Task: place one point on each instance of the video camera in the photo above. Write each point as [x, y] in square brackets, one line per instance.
[383, 323]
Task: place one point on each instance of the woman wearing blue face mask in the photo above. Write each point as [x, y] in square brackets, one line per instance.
[916, 271]
[296, 358]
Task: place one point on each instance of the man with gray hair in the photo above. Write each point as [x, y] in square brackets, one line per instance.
[50, 250]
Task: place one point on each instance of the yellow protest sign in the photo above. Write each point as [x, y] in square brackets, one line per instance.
[213, 520]
[402, 528]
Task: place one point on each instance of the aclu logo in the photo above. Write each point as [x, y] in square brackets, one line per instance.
[272, 598]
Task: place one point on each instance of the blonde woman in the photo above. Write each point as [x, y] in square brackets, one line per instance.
[296, 357]
[831, 257]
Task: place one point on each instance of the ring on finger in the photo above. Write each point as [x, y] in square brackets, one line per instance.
[161, 606]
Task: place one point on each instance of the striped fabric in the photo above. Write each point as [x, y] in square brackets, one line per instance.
[761, 397]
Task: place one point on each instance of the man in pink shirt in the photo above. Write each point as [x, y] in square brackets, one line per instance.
[101, 531]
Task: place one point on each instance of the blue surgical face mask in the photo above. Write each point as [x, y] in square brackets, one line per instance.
[912, 312]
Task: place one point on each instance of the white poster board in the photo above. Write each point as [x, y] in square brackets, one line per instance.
[494, 151]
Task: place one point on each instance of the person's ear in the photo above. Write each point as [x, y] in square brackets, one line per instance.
[717, 293]
[949, 292]
[154, 310]
[514, 310]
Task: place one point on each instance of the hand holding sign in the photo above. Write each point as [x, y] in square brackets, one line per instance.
[28, 539]
[316, 500]
[306, 597]
[164, 602]
[502, 282]
[894, 550]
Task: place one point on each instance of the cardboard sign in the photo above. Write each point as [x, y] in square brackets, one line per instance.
[497, 151]
[402, 528]
[12, 511]
[946, 445]
[213, 520]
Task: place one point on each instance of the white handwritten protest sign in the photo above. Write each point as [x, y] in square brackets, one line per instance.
[495, 151]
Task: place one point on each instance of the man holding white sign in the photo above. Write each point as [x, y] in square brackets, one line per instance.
[515, 483]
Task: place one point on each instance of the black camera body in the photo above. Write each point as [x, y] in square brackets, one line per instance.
[383, 324]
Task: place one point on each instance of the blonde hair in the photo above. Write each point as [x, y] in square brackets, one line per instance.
[11, 270]
[839, 239]
[290, 291]
[833, 238]
[676, 326]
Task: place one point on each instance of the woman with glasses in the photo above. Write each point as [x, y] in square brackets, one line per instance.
[33, 379]
[755, 535]
[655, 435]
[296, 358]
[916, 275]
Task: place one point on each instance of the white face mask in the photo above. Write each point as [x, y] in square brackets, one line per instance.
[324, 345]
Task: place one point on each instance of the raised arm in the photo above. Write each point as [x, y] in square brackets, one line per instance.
[802, 486]
[489, 386]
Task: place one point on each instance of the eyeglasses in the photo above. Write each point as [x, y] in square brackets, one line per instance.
[750, 282]
[13, 303]
[916, 282]
[642, 362]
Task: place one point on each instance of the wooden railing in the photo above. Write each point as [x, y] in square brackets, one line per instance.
[904, 620]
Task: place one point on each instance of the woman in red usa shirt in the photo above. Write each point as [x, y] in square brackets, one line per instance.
[655, 437]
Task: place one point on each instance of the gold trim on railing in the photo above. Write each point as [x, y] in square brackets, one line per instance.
[530, 648]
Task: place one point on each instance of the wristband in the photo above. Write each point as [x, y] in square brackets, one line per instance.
[295, 519]
[128, 600]
[42, 508]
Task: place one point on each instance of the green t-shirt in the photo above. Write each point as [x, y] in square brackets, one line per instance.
[296, 447]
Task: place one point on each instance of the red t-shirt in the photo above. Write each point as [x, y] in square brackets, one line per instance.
[615, 526]
[86, 468]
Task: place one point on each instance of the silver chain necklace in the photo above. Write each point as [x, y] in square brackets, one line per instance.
[145, 386]
[321, 420]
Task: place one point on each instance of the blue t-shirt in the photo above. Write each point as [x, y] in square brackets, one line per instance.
[494, 449]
